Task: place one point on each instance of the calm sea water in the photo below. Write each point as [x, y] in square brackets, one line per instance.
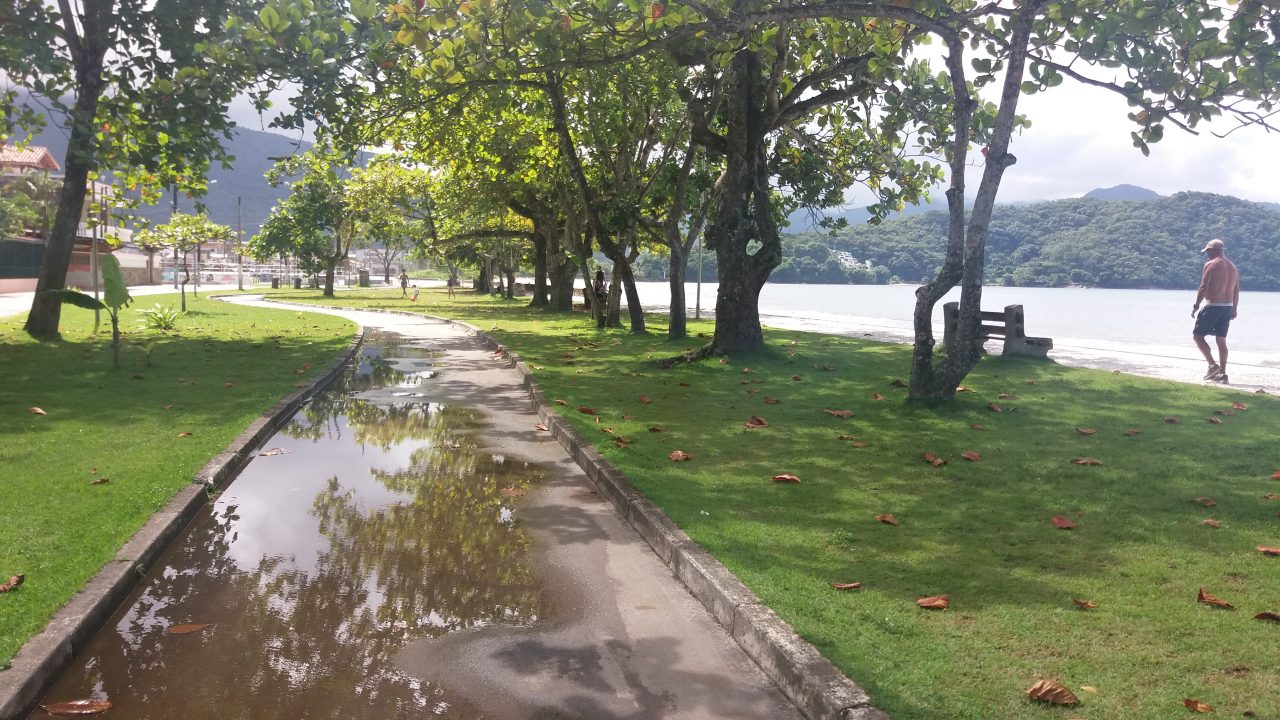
[1143, 330]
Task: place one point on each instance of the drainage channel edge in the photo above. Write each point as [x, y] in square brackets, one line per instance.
[48, 653]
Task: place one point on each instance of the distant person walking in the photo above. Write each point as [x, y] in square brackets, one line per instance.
[1220, 293]
[404, 283]
[451, 283]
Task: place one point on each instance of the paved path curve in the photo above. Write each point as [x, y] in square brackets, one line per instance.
[626, 640]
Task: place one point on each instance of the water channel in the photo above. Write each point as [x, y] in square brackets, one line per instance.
[371, 518]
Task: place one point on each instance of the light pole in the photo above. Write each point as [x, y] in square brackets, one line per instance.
[239, 248]
[697, 302]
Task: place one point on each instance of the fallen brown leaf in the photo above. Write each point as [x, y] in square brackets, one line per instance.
[724, 361]
[1275, 475]
[1172, 420]
[976, 426]
[1085, 604]
[797, 378]
[1207, 502]
[1273, 552]
[858, 444]
[227, 385]
[655, 428]
[1086, 431]
[994, 407]
[586, 410]
[684, 384]
[961, 388]
[933, 460]
[541, 426]
[771, 401]
[1085, 461]
[1211, 522]
[186, 628]
[1239, 406]
[101, 481]
[625, 443]
[1062, 523]
[1269, 616]
[679, 455]
[747, 371]
[876, 396]
[937, 602]
[897, 383]
[839, 413]
[1049, 691]
[36, 411]
[1214, 420]
[845, 586]
[184, 434]
[607, 430]
[1197, 706]
[757, 422]
[1131, 432]
[1207, 599]
[786, 478]
[13, 582]
[645, 399]
[1271, 496]
[1006, 396]
[512, 491]
[167, 407]
[77, 707]
[887, 519]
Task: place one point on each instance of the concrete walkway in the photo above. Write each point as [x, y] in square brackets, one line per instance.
[623, 638]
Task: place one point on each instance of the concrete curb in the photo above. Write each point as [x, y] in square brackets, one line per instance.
[49, 652]
[816, 687]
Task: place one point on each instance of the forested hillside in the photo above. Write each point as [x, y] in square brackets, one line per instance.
[1117, 244]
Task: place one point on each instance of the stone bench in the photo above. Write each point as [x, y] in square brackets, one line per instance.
[1008, 326]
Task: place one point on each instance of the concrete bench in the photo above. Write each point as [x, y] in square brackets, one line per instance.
[1008, 326]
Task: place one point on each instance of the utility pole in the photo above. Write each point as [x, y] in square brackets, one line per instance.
[93, 249]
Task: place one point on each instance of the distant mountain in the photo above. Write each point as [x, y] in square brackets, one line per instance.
[1123, 192]
[1083, 241]
[254, 152]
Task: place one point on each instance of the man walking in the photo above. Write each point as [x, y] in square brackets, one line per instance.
[1220, 292]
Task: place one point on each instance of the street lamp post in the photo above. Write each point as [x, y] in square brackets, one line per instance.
[239, 247]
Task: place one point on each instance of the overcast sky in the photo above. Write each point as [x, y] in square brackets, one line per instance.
[1079, 140]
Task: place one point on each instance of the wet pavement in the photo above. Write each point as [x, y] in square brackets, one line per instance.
[408, 545]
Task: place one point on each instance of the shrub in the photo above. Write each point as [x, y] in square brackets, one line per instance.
[159, 317]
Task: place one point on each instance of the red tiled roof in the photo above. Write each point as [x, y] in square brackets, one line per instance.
[30, 156]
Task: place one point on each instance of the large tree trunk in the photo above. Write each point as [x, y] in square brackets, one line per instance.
[539, 270]
[46, 308]
[678, 328]
[743, 232]
[330, 270]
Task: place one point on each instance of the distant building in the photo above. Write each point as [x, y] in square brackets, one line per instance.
[847, 261]
[21, 256]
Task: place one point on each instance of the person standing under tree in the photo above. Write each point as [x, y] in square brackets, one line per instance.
[1220, 292]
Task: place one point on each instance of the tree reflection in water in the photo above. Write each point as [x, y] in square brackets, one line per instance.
[307, 604]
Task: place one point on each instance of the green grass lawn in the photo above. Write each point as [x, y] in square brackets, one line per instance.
[980, 532]
[223, 368]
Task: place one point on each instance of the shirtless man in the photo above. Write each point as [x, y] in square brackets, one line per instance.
[1220, 292]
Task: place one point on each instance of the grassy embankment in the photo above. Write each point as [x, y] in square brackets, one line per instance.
[223, 367]
[980, 532]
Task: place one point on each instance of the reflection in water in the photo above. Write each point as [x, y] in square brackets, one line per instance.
[381, 524]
